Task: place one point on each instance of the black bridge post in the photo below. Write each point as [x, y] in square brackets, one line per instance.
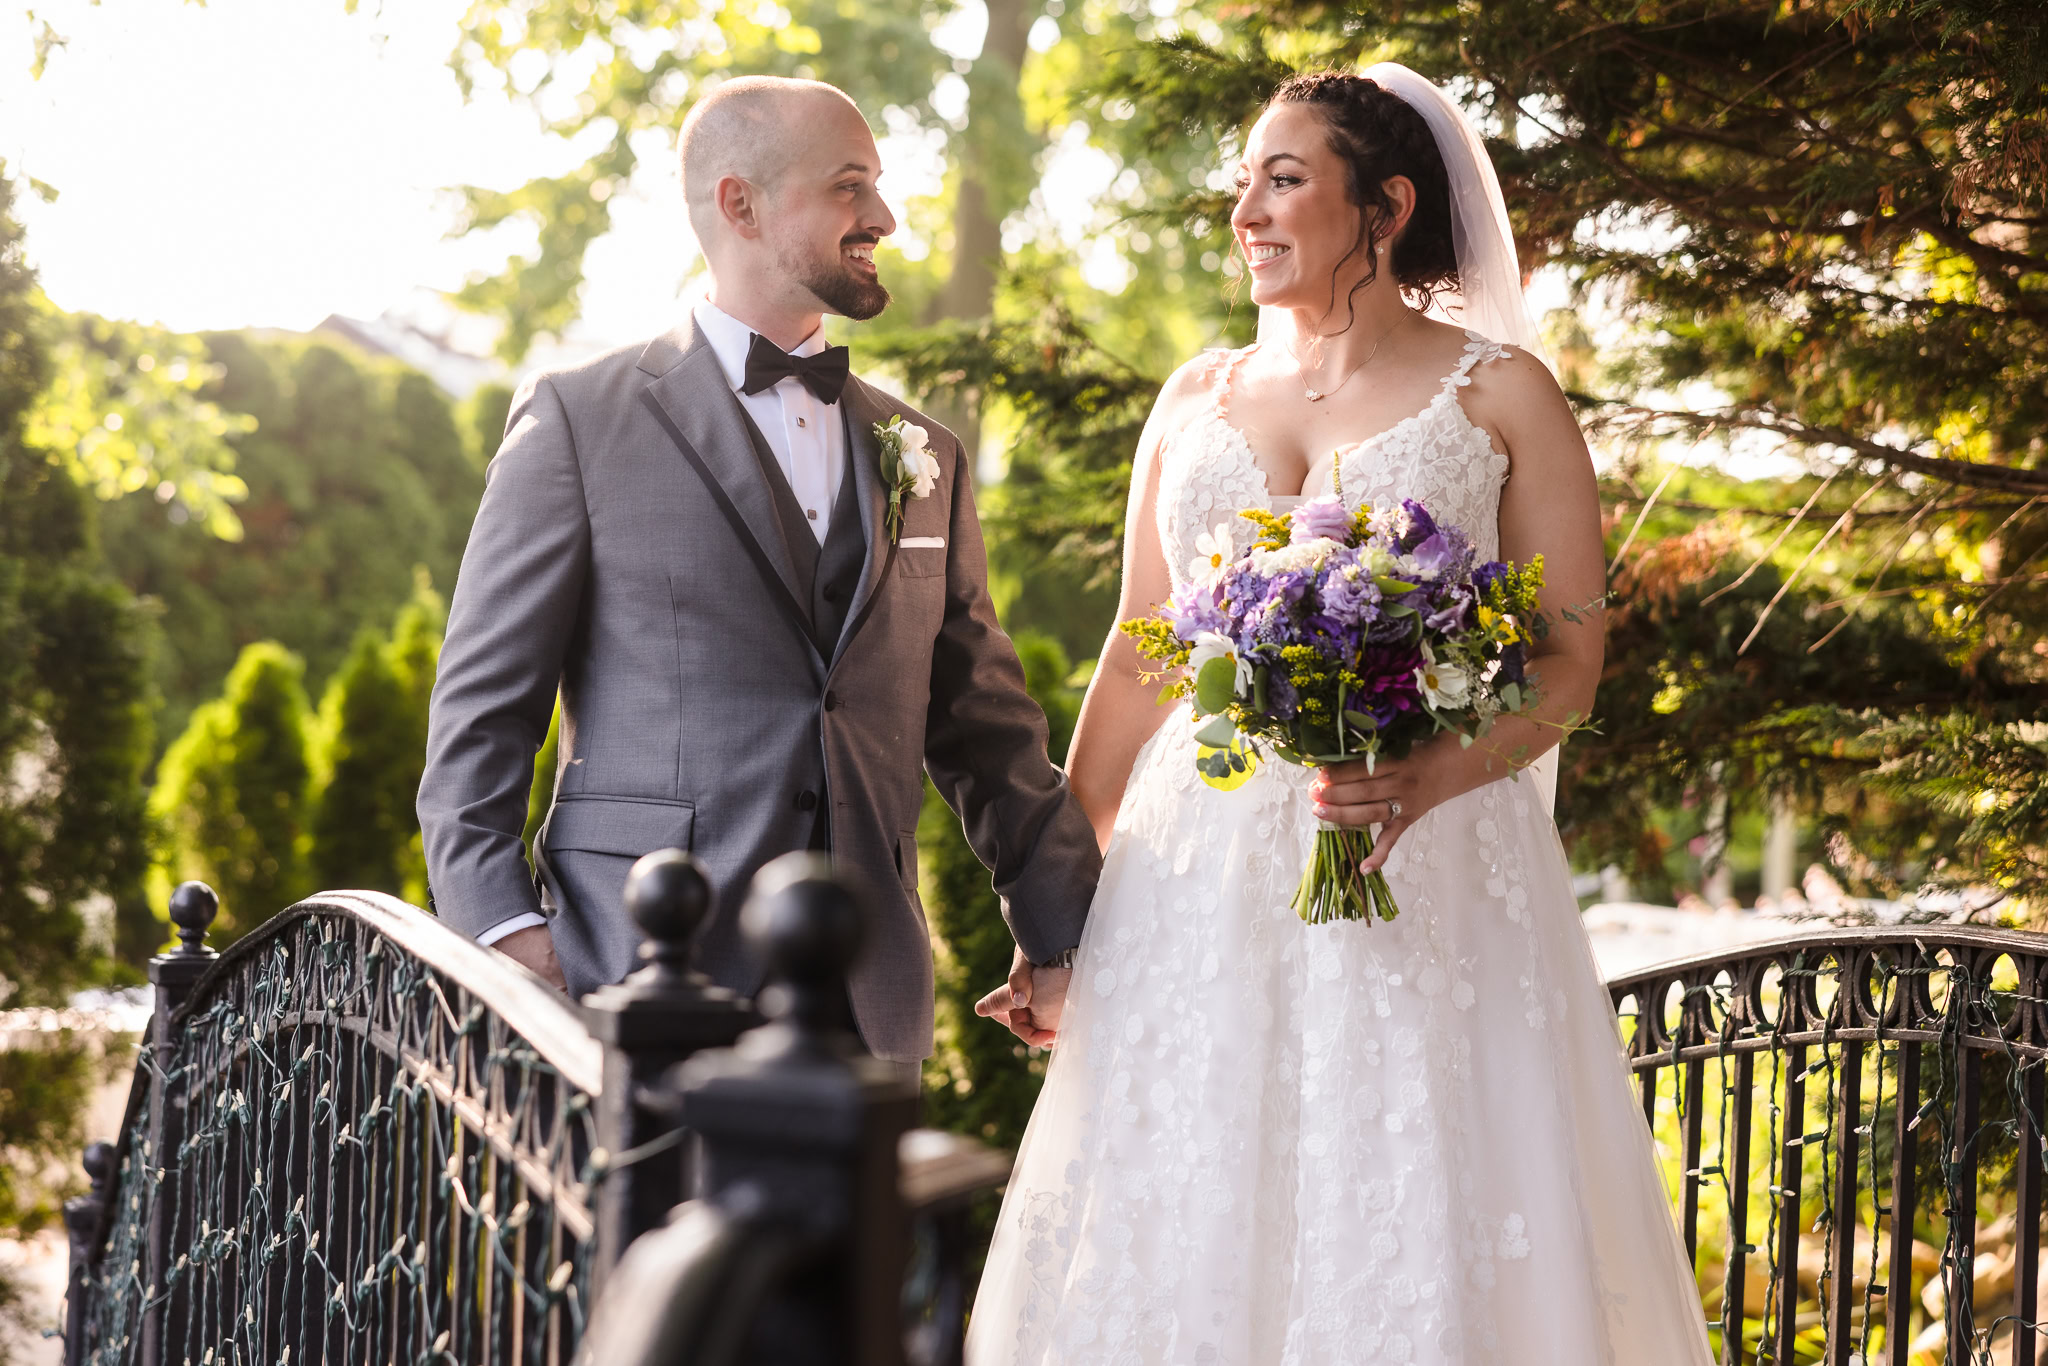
[662, 1014]
[193, 907]
[801, 1126]
[82, 1216]
[794, 1253]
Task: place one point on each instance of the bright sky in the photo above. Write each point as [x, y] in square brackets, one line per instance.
[268, 162]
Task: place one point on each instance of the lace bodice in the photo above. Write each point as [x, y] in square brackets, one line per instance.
[1439, 457]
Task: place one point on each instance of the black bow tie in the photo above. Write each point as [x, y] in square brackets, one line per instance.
[823, 374]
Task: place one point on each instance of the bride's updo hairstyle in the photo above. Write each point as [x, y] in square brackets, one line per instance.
[1379, 135]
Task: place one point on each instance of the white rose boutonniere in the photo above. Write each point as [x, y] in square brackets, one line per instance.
[908, 467]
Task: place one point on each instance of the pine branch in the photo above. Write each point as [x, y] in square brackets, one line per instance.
[1966, 473]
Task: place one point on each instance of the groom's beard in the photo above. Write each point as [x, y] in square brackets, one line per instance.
[836, 286]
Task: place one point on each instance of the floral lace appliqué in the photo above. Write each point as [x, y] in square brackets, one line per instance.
[1340, 1145]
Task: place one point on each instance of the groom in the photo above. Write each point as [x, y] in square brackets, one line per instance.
[692, 542]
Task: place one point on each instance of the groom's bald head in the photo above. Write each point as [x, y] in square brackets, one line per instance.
[780, 179]
[749, 127]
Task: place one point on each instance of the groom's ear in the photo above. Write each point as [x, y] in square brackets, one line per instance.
[739, 204]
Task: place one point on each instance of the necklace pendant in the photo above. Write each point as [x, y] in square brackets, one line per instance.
[1313, 396]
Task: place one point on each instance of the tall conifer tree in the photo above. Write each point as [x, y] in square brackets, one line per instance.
[232, 792]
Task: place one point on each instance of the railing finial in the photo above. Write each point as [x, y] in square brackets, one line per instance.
[99, 1166]
[664, 1012]
[807, 928]
[193, 907]
[82, 1215]
[669, 898]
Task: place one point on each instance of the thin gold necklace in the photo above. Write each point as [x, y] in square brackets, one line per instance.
[1314, 395]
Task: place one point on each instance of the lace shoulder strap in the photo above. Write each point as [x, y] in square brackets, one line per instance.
[1479, 349]
[1222, 371]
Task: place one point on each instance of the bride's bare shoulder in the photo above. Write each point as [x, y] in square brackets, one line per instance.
[1520, 403]
[1191, 389]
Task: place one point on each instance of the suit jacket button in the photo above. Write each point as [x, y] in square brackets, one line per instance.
[831, 701]
[806, 800]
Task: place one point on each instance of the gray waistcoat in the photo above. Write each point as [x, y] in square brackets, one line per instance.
[826, 574]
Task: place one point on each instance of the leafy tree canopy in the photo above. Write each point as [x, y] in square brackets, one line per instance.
[358, 474]
[74, 692]
[1816, 228]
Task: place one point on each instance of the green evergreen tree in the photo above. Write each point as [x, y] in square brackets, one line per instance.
[357, 474]
[231, 793]
[366, 774]
[415, 653]
[483, 416]
[370, 751]
[981, 1079]
[542, 794]
[74, 693]
[74, 737]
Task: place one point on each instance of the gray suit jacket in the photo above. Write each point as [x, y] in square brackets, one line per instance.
[628, 554]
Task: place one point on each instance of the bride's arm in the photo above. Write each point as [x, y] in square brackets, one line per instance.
[1549, 507]
[1121, 711]
[1118, 714]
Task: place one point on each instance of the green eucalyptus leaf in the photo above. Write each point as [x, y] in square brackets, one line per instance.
[1220, 731]
[1215, 686]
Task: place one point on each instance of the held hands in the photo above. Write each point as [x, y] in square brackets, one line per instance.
[533, 948]
[1031, 1002]
[1396, 793]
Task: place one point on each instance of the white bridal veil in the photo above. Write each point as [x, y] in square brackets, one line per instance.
[1488, 299]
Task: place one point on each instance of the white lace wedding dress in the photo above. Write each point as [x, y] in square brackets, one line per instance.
[1263, 1142]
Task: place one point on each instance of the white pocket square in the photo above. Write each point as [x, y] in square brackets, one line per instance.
[922, 543]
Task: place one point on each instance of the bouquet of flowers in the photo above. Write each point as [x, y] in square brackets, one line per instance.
[1337, 636]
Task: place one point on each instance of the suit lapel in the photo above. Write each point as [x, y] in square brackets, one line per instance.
[864, 408]
[692, 400]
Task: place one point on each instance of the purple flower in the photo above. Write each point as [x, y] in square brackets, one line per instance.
[1355, 602]
[1388, 629]
[1421, 526]
[1335, 639]
[1281, 698]
[1195, 608]
[1461, 551]
[1435, 556]
[1325, 517]
[1484, 576]
[1450, 613]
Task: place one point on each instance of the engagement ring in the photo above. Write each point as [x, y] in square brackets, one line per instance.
[1393, 809]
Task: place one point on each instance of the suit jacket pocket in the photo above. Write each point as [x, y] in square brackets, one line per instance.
[920, 561]
[906, 860]
[627, 827]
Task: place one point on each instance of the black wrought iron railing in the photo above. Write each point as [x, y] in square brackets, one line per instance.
[1856, 1121]
[358, 1135]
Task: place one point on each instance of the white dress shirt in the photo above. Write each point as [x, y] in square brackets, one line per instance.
[807, 436]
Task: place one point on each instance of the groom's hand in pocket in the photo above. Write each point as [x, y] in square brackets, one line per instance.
[1031, 1002]
[533, 948]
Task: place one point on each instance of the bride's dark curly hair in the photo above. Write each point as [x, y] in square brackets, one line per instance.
[1380, 135]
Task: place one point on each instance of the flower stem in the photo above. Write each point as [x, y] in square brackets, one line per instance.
[1332, 887]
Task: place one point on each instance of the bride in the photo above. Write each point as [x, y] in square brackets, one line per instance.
[1406, 1142]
